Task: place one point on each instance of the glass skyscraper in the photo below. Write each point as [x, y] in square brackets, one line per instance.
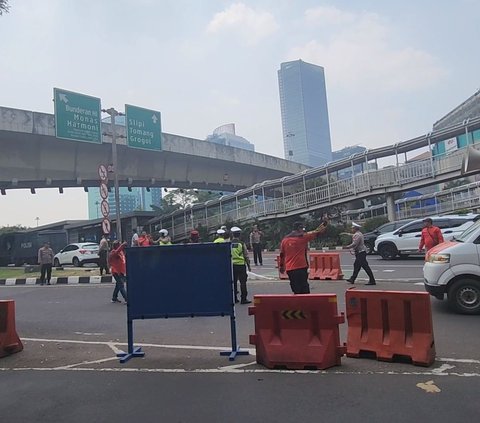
[138, 199]
[303, 102]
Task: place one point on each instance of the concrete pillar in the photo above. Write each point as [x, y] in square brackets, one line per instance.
[391, 208]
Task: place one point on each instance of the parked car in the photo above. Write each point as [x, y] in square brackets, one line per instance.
[77, 254]
[405, 240]
[370, 237]
[453, 268]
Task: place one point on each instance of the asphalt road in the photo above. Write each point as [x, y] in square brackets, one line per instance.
[68, 370]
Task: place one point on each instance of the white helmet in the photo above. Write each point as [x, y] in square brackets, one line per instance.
[220, 231]
[163, 232]
[235, 229]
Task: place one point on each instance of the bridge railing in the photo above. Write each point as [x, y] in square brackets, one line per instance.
[288, 196]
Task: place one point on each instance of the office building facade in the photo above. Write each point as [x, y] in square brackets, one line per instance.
[138, 199]
[303, 103]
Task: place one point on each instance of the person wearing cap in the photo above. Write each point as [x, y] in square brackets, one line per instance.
[164, 239]
[431, 236]
[293, 256]
[256, 243]
[220, 235]
[358, 247]
[194, 237]
[240, 263]
[118, 268]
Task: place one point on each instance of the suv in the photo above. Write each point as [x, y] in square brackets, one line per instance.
[405, 240]
[77, 254]
[370, 237]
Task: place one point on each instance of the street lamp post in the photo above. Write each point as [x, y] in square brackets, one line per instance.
[37, 219]
[113, 113]
[97, 203]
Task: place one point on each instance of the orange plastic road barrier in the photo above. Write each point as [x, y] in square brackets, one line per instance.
[280, 274]
[325, 266]
[297, 331]
[391, 325]
[9, 341]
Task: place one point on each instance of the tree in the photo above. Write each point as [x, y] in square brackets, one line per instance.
[15, 228]
[4, 7]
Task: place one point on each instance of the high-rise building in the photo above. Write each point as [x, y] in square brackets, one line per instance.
[303, 102]
[225, 135]
[138, 199]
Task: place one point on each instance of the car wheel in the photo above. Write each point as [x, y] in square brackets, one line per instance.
[56, 262]
[464, 296]
[388, 251]
[76, 262]
[369, 247]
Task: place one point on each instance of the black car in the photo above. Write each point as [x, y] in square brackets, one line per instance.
[370, 237]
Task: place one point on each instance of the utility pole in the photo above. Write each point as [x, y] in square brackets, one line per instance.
[113, 113]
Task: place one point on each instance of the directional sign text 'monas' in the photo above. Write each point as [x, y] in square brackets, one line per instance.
[77, 116]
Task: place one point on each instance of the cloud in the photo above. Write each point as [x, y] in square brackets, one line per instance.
[358, 50]
[249, 24]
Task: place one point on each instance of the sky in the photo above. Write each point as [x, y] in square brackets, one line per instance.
[392, 68]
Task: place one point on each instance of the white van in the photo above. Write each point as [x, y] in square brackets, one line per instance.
[453, 268]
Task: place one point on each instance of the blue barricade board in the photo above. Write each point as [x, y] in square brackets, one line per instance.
[179, 281]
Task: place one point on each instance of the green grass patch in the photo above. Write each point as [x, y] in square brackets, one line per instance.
[19, 272]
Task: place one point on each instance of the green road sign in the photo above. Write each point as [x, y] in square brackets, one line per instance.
[77, 116]
[143, 128]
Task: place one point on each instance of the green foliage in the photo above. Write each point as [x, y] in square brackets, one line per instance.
[374, 223]
[15, 228]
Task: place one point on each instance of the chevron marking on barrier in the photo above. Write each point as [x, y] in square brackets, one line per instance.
[293, 315]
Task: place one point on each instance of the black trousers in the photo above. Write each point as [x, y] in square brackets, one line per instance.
[45, 268]
[240, 274]
[361, 263]
[299, 281]
[257, 253]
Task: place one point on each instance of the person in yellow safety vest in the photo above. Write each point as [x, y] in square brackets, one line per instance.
[220, 236]
[240, 263]
[164, 238]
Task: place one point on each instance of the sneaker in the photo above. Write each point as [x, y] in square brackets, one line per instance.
[245, 302]
[350, 281]
[371, 283]
[116, 300]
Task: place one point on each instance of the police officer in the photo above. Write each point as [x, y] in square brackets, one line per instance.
[220, 236]
[240, 262]
[358, 248]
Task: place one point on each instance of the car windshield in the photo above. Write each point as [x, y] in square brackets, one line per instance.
[468, 232]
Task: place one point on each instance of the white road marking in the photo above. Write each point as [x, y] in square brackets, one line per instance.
[239, 371]
[236, 368]
[388, 270]
[441, 370]
[89, 333]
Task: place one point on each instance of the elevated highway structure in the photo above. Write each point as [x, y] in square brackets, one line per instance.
[32, 157]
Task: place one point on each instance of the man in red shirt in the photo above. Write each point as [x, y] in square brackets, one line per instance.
[118, 267]
[293, 256]
[431, 236]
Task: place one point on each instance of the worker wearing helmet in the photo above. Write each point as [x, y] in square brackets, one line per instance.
[240, 262]
[220, 236]
[164, 239]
